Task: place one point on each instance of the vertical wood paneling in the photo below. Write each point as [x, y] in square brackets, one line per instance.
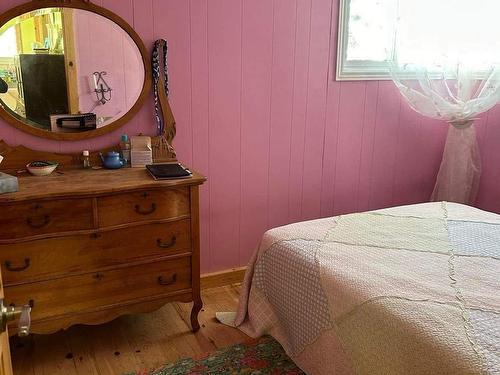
[143, 21]
[172, 22]
[352, 102]
[257, 51]
[331, 123]
[143, 17]
[281, 110]
[384, 152]
[299, 108]
[124, 8]
[370, 110]
[199, 116]
[407, 183]
[330, 148]
[319, 54]
[489, 191]
[258, 113]
[224, 62]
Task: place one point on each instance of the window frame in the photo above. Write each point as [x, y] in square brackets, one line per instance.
[369, 70]
[361, 70]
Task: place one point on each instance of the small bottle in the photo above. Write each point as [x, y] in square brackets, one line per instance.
[86, 160]
[125, 149]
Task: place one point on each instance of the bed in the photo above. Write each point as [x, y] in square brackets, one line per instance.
[405, 290]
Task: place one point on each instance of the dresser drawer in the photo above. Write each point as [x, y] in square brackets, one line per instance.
[102, 289]
[30, 219]
[28, 261]
[143, 206]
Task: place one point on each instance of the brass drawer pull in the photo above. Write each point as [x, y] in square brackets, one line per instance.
[139, 210]
[31, 223]
[166, 245]
[169, 281]
[9, 267]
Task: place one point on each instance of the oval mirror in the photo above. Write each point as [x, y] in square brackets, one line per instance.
[70, 71]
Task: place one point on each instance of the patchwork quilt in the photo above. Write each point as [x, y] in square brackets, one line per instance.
[406, 290]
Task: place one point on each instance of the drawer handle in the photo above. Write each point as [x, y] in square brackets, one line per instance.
[9, 267]
[31, 223]
[166, 245]
[139, 210]
[169, 281]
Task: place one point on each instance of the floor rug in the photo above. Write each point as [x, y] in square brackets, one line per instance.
[263, 356]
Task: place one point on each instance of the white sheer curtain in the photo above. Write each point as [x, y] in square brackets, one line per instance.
[456, 96]
[453, 75]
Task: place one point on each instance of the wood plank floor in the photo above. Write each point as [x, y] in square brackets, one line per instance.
[129, 343]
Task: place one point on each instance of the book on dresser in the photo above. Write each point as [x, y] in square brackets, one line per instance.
[168, 171]
[86, 246]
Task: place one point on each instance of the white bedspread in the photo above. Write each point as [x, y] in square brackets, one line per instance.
[406, 290]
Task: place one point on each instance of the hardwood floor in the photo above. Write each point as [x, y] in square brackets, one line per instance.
[129, 343]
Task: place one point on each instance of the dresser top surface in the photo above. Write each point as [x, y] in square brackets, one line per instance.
[81, 182]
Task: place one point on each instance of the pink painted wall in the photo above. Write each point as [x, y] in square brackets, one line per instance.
[259, 114]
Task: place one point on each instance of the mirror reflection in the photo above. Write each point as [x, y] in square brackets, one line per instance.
[68, 70]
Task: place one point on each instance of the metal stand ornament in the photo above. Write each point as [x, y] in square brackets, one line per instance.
[165, 121]
[101, 88]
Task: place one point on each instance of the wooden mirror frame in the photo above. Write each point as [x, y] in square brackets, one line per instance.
[84, 5]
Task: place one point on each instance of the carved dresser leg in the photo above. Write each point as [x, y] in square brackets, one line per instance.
[195, 325]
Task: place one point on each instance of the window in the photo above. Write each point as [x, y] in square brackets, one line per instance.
[423, 32]
[8, 43]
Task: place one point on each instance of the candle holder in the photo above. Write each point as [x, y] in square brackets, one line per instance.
[101, 88]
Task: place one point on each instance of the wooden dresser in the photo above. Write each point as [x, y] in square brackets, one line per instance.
[86, 246]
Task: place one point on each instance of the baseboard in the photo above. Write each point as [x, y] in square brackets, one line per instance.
[223, 278]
